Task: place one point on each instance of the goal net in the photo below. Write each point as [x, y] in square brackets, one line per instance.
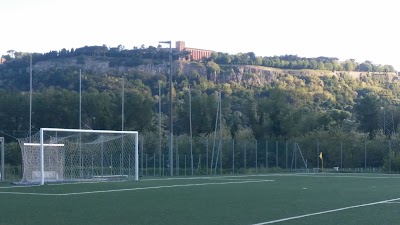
[64, 155]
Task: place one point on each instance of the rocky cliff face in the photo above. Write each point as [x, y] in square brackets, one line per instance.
[245, 74]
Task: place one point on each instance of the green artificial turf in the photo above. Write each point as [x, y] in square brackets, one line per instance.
[216, 201]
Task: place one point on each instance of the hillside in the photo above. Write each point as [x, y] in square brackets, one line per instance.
[254, 97]
[258, 103]
[246, 74]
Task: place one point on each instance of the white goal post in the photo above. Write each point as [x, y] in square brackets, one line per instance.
[74, 155]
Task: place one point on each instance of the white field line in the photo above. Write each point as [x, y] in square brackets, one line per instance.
[217, 177]
[345, 176]
[233, 179]
[325, 212]
[161, 179]
[136, 189]
[87, 182]
[210, 177]
[155, 179]
[25, 186]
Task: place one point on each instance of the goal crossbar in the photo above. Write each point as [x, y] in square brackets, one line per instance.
[38, 144]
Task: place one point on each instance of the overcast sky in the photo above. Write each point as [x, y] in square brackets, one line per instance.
[362, 30]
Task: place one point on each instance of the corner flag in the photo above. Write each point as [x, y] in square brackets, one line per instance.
[322, 160]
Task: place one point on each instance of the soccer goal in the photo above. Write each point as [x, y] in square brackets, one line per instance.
[73, 155]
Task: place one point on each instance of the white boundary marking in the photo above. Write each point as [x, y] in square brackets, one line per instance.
[325, 212]
[346, 176]
[141, 180]
[161, 179]
[222, 177]
[135, 189]
[210, 177]
[11, 187]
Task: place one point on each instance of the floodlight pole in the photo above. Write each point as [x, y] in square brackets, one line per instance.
[159, 126]
[2, 158]
[80, 122]
[190, 125]
[30, 98]
[80, 99]
[171, 160]
[123, 102]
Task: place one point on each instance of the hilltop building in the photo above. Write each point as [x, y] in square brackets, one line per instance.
[195, 54]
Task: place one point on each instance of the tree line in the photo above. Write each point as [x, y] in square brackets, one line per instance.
[120, 56]
[290, 107]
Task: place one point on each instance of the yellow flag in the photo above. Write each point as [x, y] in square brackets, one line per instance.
[320, 155]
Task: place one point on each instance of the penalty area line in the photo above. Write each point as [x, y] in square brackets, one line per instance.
[328, 211]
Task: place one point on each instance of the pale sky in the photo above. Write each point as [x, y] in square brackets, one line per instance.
[362, 30]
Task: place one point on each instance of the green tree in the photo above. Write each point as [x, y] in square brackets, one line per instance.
[212, 68]
[367, 112]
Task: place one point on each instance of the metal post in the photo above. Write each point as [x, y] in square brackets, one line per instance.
[120, 164]
[215, 135]
[295, 160]
[122, 123]
[147, 168]
[141, 155]
[159, 126]
[123, 103]
[318, 155]
[233, 156]
[293, 154]
[256, 158]
[341, 155]
[163, 164]
[2, 159]
[30, 98]
[102, 156]
[266, 154]
[191, 135]
[80, 99]
[177, 156]
[207, 154]
[365, 156]
[220, 158]
[112, 164]
[171, 160]
[220, 130]
[276, 155]
[80, 124]
[154, 165]
[245, 153]
[286, 155]
[390, 156]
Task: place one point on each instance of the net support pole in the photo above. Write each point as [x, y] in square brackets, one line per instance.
[41, 158]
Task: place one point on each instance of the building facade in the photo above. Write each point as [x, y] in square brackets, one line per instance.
[195, 54]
